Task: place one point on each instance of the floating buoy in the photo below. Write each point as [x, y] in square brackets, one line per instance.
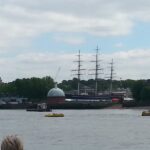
[146, 113]
[55, 115]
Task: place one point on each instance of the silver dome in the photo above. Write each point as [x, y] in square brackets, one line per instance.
[56, 92]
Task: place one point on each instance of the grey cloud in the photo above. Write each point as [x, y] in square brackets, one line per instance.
[26, 19]
[88, 7]
[132, 64]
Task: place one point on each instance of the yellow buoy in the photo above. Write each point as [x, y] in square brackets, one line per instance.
[55, 115]
[146, 113]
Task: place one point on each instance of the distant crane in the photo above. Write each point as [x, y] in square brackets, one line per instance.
[57, 73]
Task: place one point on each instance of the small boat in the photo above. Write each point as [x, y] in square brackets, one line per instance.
[55, 115]
[146, 113]
[41, 107]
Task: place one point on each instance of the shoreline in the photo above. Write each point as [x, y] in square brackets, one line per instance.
[138, 107]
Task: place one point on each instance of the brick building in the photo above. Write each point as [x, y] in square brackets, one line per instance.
[55, 96]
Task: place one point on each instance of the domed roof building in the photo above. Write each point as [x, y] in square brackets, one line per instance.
[56, 92]
[55, 96]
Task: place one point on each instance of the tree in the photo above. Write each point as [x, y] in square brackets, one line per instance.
[145, 94]
[137, 88]
[33, 88]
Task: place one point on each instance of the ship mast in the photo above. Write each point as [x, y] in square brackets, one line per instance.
[97, 68]
[111, 75]
[78, 70]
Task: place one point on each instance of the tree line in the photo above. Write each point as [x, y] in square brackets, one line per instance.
[141, 92]
[36, 89]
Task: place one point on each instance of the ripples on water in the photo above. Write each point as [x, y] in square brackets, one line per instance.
[103, 129]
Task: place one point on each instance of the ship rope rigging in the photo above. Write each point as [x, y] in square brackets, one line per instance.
[78, 70]
[96, 70]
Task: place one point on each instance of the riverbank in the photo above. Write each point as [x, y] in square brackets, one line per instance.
[77, 105]
[65, 105]
[139, 107]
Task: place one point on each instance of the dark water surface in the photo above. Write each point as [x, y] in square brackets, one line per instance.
[104, 129]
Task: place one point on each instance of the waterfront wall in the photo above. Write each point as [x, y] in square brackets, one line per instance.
[80, 105]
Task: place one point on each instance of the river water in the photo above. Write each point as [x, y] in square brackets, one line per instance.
[103, 129]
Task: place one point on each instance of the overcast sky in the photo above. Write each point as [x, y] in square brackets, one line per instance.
[38, 38]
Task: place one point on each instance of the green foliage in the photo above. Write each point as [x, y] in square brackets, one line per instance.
[128, 83]
[137, 88]
[69, 85]
[140, 88]
[33, 88]
[141, 91]
[102, 84]
[36, 88]
[65, 85]
[145, 94]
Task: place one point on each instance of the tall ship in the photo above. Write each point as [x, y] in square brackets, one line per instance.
[92, 94]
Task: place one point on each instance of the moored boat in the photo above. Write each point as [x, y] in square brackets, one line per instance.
[41, 107]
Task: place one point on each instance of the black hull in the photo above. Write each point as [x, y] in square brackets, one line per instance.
[80, 105]
[13, 106]
[39, 110]
[88, 97]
